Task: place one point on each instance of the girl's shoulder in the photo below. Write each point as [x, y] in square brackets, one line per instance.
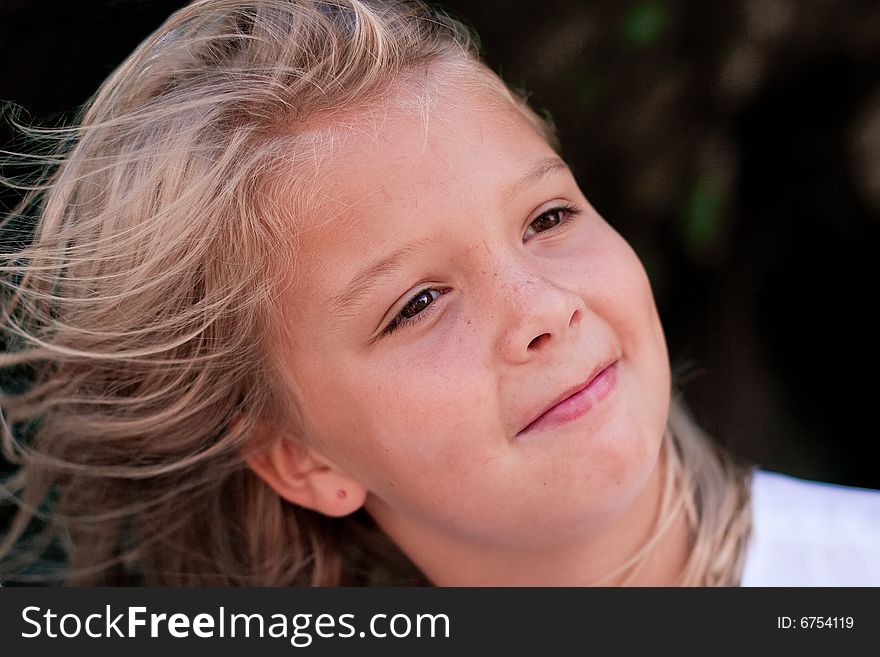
[807, 533]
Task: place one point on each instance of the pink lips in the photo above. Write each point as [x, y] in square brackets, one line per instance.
[578, 404]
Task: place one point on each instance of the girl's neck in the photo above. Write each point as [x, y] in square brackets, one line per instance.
[585, 563]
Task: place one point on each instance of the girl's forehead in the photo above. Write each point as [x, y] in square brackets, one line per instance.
[395, 152]
[398, 177]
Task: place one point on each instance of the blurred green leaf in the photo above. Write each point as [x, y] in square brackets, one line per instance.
[702, 214]
[645, 23]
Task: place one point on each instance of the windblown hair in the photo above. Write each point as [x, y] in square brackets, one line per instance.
[141, 317]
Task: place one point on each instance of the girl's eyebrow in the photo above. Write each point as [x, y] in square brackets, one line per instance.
[364, 281]
[535, 173]
[346, 302]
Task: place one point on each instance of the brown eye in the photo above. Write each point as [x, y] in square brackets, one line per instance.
[413, 310]
[418, 303]
[547, 220]
[553, 219]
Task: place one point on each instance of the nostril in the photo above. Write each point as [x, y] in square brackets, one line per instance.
[536, 342]
[575, 317]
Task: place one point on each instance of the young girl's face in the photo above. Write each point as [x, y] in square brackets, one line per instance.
[454, 285]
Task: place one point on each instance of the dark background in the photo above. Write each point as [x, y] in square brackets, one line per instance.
[735, 145]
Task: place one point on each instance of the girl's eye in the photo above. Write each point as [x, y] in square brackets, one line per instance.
[552, 218]
[413, 310]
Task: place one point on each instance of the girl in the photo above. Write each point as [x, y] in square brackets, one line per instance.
[313, 300]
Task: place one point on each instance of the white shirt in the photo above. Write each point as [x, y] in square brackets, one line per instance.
[806, 533]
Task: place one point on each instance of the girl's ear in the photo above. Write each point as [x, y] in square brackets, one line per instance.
[300, 476]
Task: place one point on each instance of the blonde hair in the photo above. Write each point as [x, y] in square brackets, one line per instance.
[143, 313]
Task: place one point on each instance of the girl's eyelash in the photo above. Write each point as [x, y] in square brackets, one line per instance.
[399, 320]
[568, 211]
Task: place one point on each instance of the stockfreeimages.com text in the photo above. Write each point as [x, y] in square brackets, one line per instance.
[300, 629]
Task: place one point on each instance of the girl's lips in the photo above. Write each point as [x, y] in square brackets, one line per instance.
[578, 404]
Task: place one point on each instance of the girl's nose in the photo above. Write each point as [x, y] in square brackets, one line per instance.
[542, 315]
